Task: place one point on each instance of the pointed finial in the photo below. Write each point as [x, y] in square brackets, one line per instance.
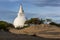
[21, 11]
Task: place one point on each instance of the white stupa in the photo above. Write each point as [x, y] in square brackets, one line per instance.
[20, 19]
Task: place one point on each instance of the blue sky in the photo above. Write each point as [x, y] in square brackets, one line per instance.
[32, 8]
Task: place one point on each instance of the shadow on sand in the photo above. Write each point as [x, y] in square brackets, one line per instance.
[11, 36]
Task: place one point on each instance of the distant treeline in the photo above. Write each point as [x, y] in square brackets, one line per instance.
[5, 25]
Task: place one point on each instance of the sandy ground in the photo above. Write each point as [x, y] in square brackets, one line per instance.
[43, 30]
[10, 36]
[37, 32]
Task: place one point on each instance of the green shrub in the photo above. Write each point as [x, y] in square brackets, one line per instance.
[53, 23]
[34, 21]
[5, 25]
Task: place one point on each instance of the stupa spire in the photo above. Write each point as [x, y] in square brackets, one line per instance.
[20, 19]
[21, 11]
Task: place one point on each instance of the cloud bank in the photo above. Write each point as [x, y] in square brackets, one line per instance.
[44, 2]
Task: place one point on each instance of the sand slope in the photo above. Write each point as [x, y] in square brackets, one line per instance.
[42, 30]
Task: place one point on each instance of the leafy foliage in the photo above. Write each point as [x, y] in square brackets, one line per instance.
[49, 20]
[4, 25]
[53, 23]
[34, 21]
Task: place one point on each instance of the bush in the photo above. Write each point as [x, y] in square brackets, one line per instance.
[53, 23]
[34, 21]
[4, 25]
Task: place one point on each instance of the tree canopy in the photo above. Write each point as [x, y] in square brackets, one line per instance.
[34, 21]
[5, 25]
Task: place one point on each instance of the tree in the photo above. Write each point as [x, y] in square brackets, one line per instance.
[53, 23]
[48, 20]
[42, 21]
[5, 25]
[34, 21]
